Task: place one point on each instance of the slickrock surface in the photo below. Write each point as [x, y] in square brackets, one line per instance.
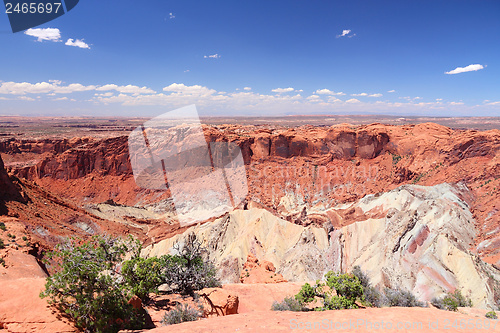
[408, 320]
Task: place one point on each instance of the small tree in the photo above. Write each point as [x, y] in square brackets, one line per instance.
[189, 269]
[88, 287]
[347, 287]
[143, 276]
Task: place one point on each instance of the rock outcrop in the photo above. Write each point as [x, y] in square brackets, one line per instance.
[422, 244]
[255, 271]
[297, 252]
[8, 191]
[414, 237]
[218, 302]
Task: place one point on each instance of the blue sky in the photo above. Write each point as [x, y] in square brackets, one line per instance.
[248, 58]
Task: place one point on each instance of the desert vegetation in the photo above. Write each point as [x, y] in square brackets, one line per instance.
[181, 313]
[346, 291]
[451, 301]
[94, 284]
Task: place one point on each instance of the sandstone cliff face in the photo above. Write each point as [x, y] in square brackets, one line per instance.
[57, 146]
[301, 173]
[107, 157]
[422, 244]
[297, 252]
[413, 237]
[8, 191]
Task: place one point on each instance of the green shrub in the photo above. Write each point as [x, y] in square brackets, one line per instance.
[25, 238]
[491, 315]
[181, 313]
[2, 244]
[2, 226]
[87, 287]
[2, 262]
[400, 297]
[348, 289]
[451, 301]
[94, 283]
[288, 304]
[306, 294]
[189, 270]
[143, 276]
[340, 291]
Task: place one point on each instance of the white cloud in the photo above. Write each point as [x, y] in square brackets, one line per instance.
[346, 33]
[108, 94]
[375, 95]
[328, 92]
[470, 68]
[213, 56]
[61, 99]
[181, 88]
[283, 90]
[25, 98]
[362, 94]
[128, 89]
[333, 99]
[78, 43]
[247, 88]
[186, 71]
[50, 34]
[171, 15]
[353, 100]
[22, 88]
[391, 91]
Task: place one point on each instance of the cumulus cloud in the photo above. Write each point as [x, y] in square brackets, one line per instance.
[26, 98]
[23, 88]
[54, 87]
[362, 94]
[181, 88]
[391, 91]
[128, 89]
[346, 33]
[353, 100]
[247, 88]
[213, 56]
[328, 92]
[470, 68]
[50, 34]
[78, 43]
[375, 95]
[283, 90]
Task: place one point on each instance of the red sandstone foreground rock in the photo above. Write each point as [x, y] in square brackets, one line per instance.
[407, 320]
